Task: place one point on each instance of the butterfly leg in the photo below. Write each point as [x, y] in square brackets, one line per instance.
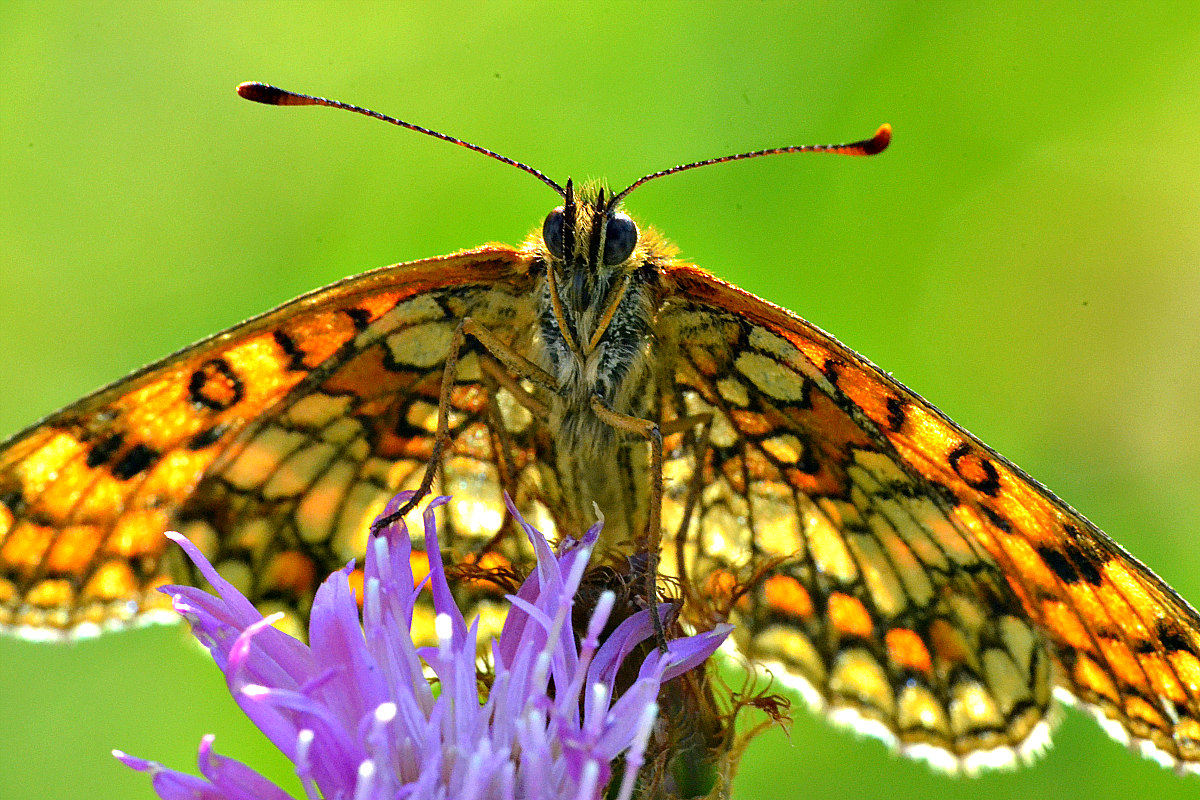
[505, 380]
[650, 430]
[508, 359]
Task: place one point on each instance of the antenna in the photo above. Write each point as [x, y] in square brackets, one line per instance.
[274, 96]
[865, 147]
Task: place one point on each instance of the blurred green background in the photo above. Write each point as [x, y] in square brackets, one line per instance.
[1026, 256]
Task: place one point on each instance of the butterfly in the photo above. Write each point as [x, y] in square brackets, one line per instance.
[908, 579]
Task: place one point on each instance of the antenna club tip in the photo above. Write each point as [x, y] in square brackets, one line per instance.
[269, 95]
[879, 142]
[259, 92]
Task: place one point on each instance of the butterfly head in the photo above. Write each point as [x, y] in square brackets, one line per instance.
[592, 250]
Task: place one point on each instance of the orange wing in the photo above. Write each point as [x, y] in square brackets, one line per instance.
[915, 579]
[272, 445]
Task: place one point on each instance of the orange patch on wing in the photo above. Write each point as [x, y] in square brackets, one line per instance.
[866, 391]
[138, 533]
[703, 361]
[258, 359]
[469, 398]
[907, 651]
[828, 422]
[165, 420]
[25, 545]
[759, 467]
[1122, 662]
[948, 643]
[104, 496]
[785, 595]
[1066, 626]
[971, 467]
[377, 305]
[813, 351]
[1138, 708]
[51, 594]
[806, 482]
[61, 497]
[321, 336]
[731, 469]
[293, 572]
[112, 581]
[1130, 588]
[366, 370]
[1028, 510]
[750, 422]
[1027, 561]
[849, 616]
[40, 469]
[1162, 678]
[1121, 613]
[930, 433]
[1087, 605]
[73, 550]
[986, 534]
[1187, 667]
[1087, 673]
[833, 512]
[178, 472]
[720, 585]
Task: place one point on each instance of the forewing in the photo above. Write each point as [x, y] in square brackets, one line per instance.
[831, 517]
[273, 444]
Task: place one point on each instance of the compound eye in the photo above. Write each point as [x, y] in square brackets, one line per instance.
[552, 232]
[620, 237]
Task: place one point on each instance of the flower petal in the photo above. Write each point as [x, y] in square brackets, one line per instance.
[233, 778]
[337, 642]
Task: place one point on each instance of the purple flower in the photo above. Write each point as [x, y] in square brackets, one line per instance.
[356, 712]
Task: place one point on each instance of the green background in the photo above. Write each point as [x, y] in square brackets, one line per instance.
[1026, 256]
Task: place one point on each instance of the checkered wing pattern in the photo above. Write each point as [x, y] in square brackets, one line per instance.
[273, 445]
[919, 585]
